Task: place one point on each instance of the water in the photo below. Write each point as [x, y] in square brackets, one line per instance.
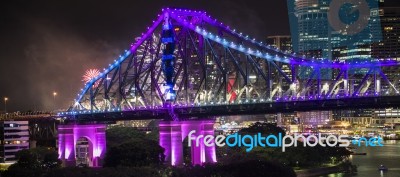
[388, 155]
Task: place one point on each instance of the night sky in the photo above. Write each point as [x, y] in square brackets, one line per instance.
[46, 45]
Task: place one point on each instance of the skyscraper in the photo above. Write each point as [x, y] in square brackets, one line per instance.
[389, 46]
[281, 42]
[332, 29]
[310, 32]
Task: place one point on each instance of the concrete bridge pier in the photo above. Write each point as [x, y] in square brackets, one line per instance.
[172, 134]
[82, 144]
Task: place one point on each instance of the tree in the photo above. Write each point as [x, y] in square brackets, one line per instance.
[130, 147]
[118, 135]
[33, 162]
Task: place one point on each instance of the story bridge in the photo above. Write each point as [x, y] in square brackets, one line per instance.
[188, 64]
[188, 68]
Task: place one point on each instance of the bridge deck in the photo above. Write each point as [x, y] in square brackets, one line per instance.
[251, 108]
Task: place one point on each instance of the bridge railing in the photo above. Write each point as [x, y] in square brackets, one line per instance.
[26, 115]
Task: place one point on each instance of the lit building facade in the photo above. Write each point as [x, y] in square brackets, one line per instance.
[322, 31]
[314, 35]
[389, 47]
[283, 43]
[14, 136]
[317, 33]
[312, 28]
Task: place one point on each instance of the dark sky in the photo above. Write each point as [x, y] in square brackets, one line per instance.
[46, 45]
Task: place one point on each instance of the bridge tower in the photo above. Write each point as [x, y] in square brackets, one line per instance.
[168, 57]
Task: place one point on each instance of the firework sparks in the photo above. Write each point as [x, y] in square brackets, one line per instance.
[90, 74]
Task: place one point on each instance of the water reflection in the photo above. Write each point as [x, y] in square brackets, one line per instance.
[388, 155]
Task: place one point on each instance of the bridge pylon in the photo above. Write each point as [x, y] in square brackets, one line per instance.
[173, 133]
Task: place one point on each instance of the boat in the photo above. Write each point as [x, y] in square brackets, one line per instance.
[383, 168]
[358, 153]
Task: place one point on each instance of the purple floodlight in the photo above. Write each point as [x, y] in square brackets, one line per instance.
[68, 136]
[173, 133]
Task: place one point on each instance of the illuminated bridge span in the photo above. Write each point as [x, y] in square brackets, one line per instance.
[36, 115]
[204, 68]
[188, 65]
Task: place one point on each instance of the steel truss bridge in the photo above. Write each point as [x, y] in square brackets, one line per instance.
[211, 69]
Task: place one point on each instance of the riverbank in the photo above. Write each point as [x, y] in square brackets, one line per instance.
[325, 170]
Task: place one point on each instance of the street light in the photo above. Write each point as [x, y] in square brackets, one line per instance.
[54, 99]
[5, 104]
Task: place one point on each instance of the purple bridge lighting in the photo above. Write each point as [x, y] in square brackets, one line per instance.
[172, 134]
[82, 142]
[188, 65]
[197, 64]
[86, 144]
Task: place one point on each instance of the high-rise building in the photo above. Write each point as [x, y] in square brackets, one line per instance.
[312, 33]
[283, 42]
[327, 29]
[14, 136]
[389, 46]
[318, 31]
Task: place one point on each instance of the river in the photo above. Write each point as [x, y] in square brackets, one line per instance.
[388, 155]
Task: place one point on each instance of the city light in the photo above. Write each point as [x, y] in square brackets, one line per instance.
[5, 104]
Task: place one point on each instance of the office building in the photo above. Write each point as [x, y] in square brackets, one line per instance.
[389, 47]
[283, 42]
[14, 136]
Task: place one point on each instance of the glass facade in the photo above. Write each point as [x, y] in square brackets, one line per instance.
[333, 30]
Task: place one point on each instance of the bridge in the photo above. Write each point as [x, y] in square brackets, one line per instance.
[189, 66]
[212, 67]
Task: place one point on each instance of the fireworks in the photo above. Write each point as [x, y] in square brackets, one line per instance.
[90, 74]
